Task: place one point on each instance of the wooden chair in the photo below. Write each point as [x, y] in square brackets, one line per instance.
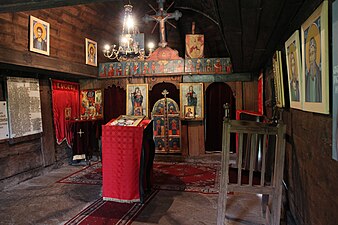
[267, 180]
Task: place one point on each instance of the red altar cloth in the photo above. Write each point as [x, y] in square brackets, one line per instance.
[121, 161]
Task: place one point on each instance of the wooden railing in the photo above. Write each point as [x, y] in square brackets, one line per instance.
[265, 171]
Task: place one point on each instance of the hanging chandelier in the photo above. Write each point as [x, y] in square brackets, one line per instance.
[129, 47]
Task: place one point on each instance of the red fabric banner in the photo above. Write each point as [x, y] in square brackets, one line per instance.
[65, 96]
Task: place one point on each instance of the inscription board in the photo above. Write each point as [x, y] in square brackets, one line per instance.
[24, 108]
[3, 121]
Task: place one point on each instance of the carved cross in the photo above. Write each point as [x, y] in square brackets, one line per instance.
[80, 133]
[165, 93]
[161, 17]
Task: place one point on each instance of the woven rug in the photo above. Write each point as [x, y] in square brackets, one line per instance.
[203, 178]
[194, 177]
[106, 212]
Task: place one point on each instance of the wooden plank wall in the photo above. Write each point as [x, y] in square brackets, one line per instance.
[69, 26]
[48, 138]
[250, 96]
[29, 153]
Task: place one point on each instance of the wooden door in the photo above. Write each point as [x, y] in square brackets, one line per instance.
[167, 124]
[217, 94]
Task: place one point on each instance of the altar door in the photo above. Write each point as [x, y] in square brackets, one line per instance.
[166, 126]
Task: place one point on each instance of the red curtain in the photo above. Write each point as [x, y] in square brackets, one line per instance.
[65, 96]
[114, 103]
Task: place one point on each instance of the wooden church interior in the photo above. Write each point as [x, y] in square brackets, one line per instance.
[243, 35]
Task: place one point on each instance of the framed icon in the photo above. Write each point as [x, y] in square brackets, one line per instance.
[192, 94]
[189, 112]
[39, 36]
[137, 99]
[315, 56]
[278, 78]
[294, 70]
[91, 52]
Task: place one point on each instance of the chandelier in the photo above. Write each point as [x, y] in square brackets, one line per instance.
[129, 47]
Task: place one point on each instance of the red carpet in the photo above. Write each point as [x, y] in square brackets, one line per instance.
[201, 178]
[106, 212]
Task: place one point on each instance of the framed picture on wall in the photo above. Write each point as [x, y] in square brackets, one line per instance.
[192, 94]
[315, 89]
[189, 112]
[137, 99]
[91, 52]
[38, 36]
[278, 78]
[91, 104]
[294, 68]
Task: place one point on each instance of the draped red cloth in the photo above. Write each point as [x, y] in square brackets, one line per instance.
[121, 158]
[65, 97]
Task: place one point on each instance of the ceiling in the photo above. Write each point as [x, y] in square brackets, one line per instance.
[247, 31]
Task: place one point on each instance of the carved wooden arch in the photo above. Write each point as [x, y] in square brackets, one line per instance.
[175, 80]
[121, 83]
[236, 89]
[102, 83]
[232, 86]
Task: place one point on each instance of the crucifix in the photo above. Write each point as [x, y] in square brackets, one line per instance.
[80, 133]
[165, 93]
[161, 17]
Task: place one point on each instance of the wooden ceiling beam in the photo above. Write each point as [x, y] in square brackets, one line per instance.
[24, 5]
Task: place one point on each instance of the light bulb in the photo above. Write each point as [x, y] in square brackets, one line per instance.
[124, 39]
[151, 45]
[130, 22]
[107, 47]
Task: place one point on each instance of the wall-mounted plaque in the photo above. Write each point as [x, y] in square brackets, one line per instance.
[24, 109]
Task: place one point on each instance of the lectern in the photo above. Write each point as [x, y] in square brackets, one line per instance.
[128, 151]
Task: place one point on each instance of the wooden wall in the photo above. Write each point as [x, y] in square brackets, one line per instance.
[69, 26]
[250, 96]
[310, 174]
[27, 156]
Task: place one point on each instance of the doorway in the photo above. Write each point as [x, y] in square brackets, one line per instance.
[217, 94]
[156, 93]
